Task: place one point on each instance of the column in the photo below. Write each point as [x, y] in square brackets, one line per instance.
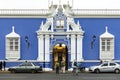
[47, 47]
[51, 24]
[79, 48]
[40, 48]
[73, 47]
[67, 25]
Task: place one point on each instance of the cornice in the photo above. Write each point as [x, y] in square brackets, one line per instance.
[60, 33]
[24, 13]
[45, 13]
[96, 13]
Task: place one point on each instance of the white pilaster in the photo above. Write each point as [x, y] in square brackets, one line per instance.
[47, 46]
[79, 48]
[52, 24]
[67, 25]
[40, 48]
[73, 47]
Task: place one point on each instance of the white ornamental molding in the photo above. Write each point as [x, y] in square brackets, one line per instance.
[109, 13]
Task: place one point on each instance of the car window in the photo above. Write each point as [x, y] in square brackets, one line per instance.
[112, 64]
[105, 64]
[23, 64]
[28, 64]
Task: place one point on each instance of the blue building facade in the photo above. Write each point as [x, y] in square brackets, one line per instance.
[60, 36]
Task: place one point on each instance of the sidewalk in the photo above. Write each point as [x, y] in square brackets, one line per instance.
[6, 71]
[55, 72]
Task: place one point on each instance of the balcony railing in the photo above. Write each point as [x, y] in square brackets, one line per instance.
[96, 12]
[45, 12]
[21, 12]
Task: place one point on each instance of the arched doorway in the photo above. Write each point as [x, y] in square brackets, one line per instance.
[60, 53]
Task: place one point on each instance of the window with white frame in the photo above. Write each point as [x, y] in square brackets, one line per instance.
[12, 48]
[13, 44]
[59, 24]
[107, 44]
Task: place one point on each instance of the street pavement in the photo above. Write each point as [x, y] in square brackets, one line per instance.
[5, 75]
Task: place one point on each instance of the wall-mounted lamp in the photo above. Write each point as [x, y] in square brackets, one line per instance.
[26, 40]
[93, 40]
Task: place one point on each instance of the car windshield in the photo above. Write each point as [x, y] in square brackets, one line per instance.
[104, 64]
[100, 64]
[28, 64]
[35, 64]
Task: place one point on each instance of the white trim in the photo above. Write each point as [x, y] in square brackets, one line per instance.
[24, 12]
[79, 48]
[40, 48]
[96, 12]
[47, 69]
[106, 54]
[73, 47]
[43, 61]
[14, 53]
[24, 61]
[47, 47]
[44, 13]
[70, 69]
[22, 16]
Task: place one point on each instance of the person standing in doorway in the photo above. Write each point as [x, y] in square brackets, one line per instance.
[63, 66]
[4, 65]
[57, 65]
